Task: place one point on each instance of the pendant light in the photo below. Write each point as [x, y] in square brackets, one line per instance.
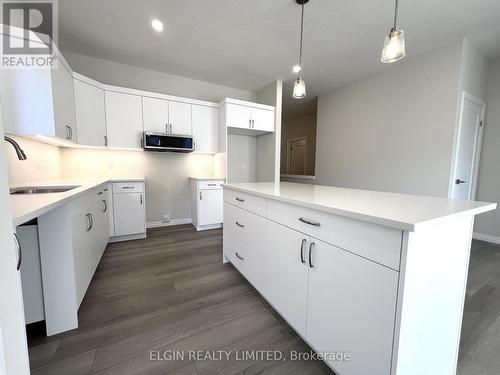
[394, 43]
[299, 86]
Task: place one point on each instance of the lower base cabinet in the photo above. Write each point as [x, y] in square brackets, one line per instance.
[129, 213]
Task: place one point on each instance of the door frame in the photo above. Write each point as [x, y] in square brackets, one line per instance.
[288, 153]
[456, 148]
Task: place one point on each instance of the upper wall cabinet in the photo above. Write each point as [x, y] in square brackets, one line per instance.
[205, 129]
[162, 116]
[256, 118]
[90, 112]
[39, 101]
[123, 119]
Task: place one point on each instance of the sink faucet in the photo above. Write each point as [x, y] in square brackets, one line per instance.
[19, 151]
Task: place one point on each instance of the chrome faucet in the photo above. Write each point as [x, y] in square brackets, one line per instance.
[19, 151]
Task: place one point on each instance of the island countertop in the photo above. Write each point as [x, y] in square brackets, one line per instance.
[27, 207]
[400, 211]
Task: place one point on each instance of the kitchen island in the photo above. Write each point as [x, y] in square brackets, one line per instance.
[373, 281]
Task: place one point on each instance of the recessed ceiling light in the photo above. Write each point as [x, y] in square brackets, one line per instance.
[157, 25]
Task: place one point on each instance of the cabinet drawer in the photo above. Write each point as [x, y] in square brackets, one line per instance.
[210, 184]
[128, 187]
[249, 202]
[246, 226]
[82, 204]
[375, 242]
[247, 261]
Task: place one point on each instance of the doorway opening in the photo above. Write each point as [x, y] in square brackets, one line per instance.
[296, 160]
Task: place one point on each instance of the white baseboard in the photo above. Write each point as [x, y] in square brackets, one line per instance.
[486, 237]
[159, 224]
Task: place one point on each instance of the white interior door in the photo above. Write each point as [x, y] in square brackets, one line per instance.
[468, 148]
[296, 163]
[13, 347]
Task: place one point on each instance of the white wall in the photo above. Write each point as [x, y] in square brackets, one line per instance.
[488, 188]
[394, 130]
[144, 79]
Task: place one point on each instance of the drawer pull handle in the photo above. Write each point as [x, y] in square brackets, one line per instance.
[239, 256]
[310, 222]
[240, 199]
[310, 254]
[127, 187]
[19, 252]
[105, 205]
[304, 241]
[100, 193]
[240, 225]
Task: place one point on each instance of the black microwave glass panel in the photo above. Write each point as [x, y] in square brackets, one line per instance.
[168, 141]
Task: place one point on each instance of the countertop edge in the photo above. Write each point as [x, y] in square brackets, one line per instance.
[396, 224]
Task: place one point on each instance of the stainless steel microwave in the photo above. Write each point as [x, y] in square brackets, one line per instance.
[167, 142]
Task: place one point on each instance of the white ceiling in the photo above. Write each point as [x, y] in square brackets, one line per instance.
[248, 44]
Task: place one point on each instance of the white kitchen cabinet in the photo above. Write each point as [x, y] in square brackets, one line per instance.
[155, 115]
[351, 306]
[206, 203]
[238, 116]
[81, 228]
[123, 120]
[179, 118]
[205, 128]
[90, 114]
[39, 102]
[287, 273]
[262, 119]
[129, 214]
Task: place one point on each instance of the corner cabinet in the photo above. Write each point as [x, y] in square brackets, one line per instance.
[320, 280]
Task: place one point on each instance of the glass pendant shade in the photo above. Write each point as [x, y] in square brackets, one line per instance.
[394, 46]
[299, 88]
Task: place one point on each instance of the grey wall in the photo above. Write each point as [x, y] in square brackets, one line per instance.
[143, 79]
[394, 130]
[488, 188]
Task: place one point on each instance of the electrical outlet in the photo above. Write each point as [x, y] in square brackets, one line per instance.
[38, 164]
[243, 166]
[165, 218]
[110, 165]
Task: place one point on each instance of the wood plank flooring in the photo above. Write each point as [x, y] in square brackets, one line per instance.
[170, 292]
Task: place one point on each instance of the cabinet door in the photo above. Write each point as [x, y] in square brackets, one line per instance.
[263, 119]
[238, 116]
[211, 206]
[90, 114]
[205, 129]
[286, 275]
[351, 307]
[63, 97]
[128, 214]
[123, 119]
[179, 118]
[81, 255]
[155, 114]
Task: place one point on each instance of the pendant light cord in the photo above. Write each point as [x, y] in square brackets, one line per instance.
[395, 14]
[301, 36]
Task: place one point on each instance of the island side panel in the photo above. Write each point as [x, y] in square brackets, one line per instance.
[58, 270]
[431, 296]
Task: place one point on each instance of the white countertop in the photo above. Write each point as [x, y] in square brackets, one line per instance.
[206, 178]
[27, 207]
[401, 211]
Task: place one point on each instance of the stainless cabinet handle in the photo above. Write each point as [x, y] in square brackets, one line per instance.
[100, 193]
[105, 205]
[141, 198]
[69, 132]
[240, 199]
[127, 187]
[170, 128]
[91, 222]
[310, 222]
[201, 196]
[253, 123]
[459, 181]
[106, 189]
[240, 225]
[239, 256]
[302, 260]
[105, 140]
[310, 254]
[249, 123]
[19, 252]
[166, 128]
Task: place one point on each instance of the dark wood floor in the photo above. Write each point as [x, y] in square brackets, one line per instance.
[165, 293]
[170, 292]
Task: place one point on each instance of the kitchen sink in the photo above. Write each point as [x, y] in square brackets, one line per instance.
[31, 190]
